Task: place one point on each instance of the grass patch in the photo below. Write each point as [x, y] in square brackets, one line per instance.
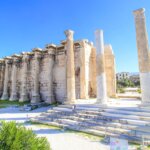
[6, 103]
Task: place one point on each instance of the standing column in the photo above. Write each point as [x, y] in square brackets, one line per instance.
[36, 88]
[24, 95]
[6, 79]
[100, 66]
[50, 97]
[70, 67]
[143, 54]
[1, 76]
[13, 96]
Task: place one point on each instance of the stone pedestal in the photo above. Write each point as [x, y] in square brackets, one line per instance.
[6, 79]
[70, 67]
[143, 55]
[13, 96]
[24, 95]
[36, 91]
[100, 66]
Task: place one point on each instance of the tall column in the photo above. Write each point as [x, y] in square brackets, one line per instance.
[13, 96]
[36, 88]
[6, 79]
[24, 95]
[143, 54]
[70, 67]
[100, 68]
[1, 76]
[83, 72]
[110, 71]
[50, 97]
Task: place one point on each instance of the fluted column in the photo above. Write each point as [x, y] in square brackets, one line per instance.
[1, 76]
[143, 54]
[13, 96]
[6, 79]
[24, 95]
[50, 97]
[70, 67]
[36, 88]
[100, 68]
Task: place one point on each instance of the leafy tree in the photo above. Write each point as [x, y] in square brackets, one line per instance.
[17, 137]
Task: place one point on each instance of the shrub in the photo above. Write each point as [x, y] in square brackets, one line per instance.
[17, 137]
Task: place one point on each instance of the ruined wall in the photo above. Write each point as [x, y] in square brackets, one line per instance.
[110, 71]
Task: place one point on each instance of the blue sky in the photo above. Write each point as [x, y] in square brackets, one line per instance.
[25, 24]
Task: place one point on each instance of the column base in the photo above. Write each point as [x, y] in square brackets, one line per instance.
[23, 98]
[13, 97]
[50, 99]
[35, 99]
[4, 97]
[69, 102]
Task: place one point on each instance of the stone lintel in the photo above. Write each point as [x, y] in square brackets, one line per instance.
[63, 42]
[60, 47]
[53, 46]
[36, 50]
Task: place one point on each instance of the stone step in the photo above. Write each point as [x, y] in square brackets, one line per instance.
[123, 112]
[109, 132]
[117, 116]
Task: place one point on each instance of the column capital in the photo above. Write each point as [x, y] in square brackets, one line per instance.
[139, 13]
[8, 60]
[69, 34]
[25, 57]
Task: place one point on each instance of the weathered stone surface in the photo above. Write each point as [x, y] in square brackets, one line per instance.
[54, 73]
[110, 71]
[143, 54]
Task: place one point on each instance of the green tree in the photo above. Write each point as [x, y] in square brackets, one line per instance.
[17, 137]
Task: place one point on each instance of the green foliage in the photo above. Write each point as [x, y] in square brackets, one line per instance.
[17, 137]
[126, 83]
[120, 90]
[139, 90]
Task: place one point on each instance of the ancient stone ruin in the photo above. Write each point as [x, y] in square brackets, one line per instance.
[59, 73]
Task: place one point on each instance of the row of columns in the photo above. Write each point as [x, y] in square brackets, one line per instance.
[24, 75]
[70, 73]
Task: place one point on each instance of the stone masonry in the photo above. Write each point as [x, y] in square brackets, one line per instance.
[143, 54]
[56, 73]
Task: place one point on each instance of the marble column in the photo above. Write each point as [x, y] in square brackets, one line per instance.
[36, 83]
[1, 76]
[70, 67]
[143, 54]
[24, 94]
[6, 79]
[100, 69]
[50, 96]
[13, 96]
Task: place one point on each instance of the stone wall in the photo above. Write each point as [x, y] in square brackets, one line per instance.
[83, 57]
